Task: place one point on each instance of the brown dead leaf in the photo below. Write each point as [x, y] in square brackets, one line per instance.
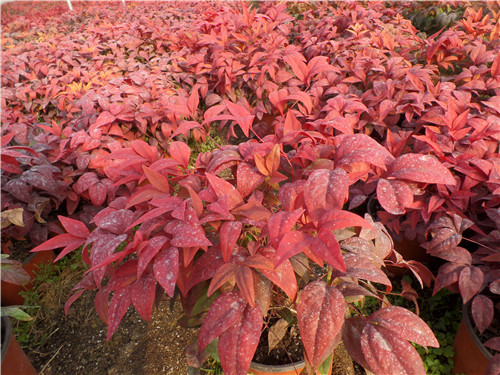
[276, 333]
[13, 216]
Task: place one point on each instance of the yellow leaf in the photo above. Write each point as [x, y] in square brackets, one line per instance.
[13, 216]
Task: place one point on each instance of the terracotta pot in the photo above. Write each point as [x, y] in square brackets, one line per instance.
[10, 292]
[293, 369]
[471, 356]
[14, 360]
[409, 249]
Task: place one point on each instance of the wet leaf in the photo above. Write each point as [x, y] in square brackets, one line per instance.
[320, 316]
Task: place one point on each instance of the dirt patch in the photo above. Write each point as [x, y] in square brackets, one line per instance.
[77, 343]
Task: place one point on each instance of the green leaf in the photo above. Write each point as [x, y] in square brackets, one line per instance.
[15, 312]
[326, 366]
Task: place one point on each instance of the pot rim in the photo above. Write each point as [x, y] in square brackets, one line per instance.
[7, 335]
[466, 310]
[277, 368]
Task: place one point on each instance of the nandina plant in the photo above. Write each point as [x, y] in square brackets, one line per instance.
[473, 271]
[348, 99]
[227, 245]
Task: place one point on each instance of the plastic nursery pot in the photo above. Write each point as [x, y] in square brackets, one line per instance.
[293, 369]
[10, 292]
[409, 249]
[471, 356]
[14, 360]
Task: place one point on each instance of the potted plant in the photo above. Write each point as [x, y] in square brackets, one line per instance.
[243, 248]
[473, 272]
[14, 360]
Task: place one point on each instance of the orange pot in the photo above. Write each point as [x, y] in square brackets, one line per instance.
[293, 369]
[14, 360]
[471, 356]
[10, 292]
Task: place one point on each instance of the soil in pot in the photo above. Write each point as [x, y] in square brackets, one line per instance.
[290, 351]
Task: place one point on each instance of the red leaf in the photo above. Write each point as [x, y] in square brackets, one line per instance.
[325, 190]
[258, 261]
[117, 221]
[362, 148]
[483, 312]
[85, 182]
[229, 233]
[248, 179]
[185, 127]
[320, 316]
[283, 276]
[363, 268]
[326, 247]
[298, 65]
[206, 266]
[166, 267]
[98, 194]
[281, 223]
[195, 201]
[142, 293]
[222, 187]
[405, 324]
[242, 116]
[224, 312]
[223, 159]
[158, 180]
[149, 251]
[180, 152]
[224, 274]
[62, 240]
[394, 196]
[118, 307]
[302, 97]
[385, 353]
[470, 282]
[493, 343]
[291, 123]
[448, 275]
[186, 235]
[339, 219]
[244, 281]
[420, 168]
[237, 345]
[125, 275]
[290, 245]
[351, 335]
[495, 66]
[193, 101]
[5, 139]
[74, 227]
[386, 106]
[104, 245]
[493, 364]
[105, 118]
[144, 150]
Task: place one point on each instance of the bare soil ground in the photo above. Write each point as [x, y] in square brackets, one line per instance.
[76, 343]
